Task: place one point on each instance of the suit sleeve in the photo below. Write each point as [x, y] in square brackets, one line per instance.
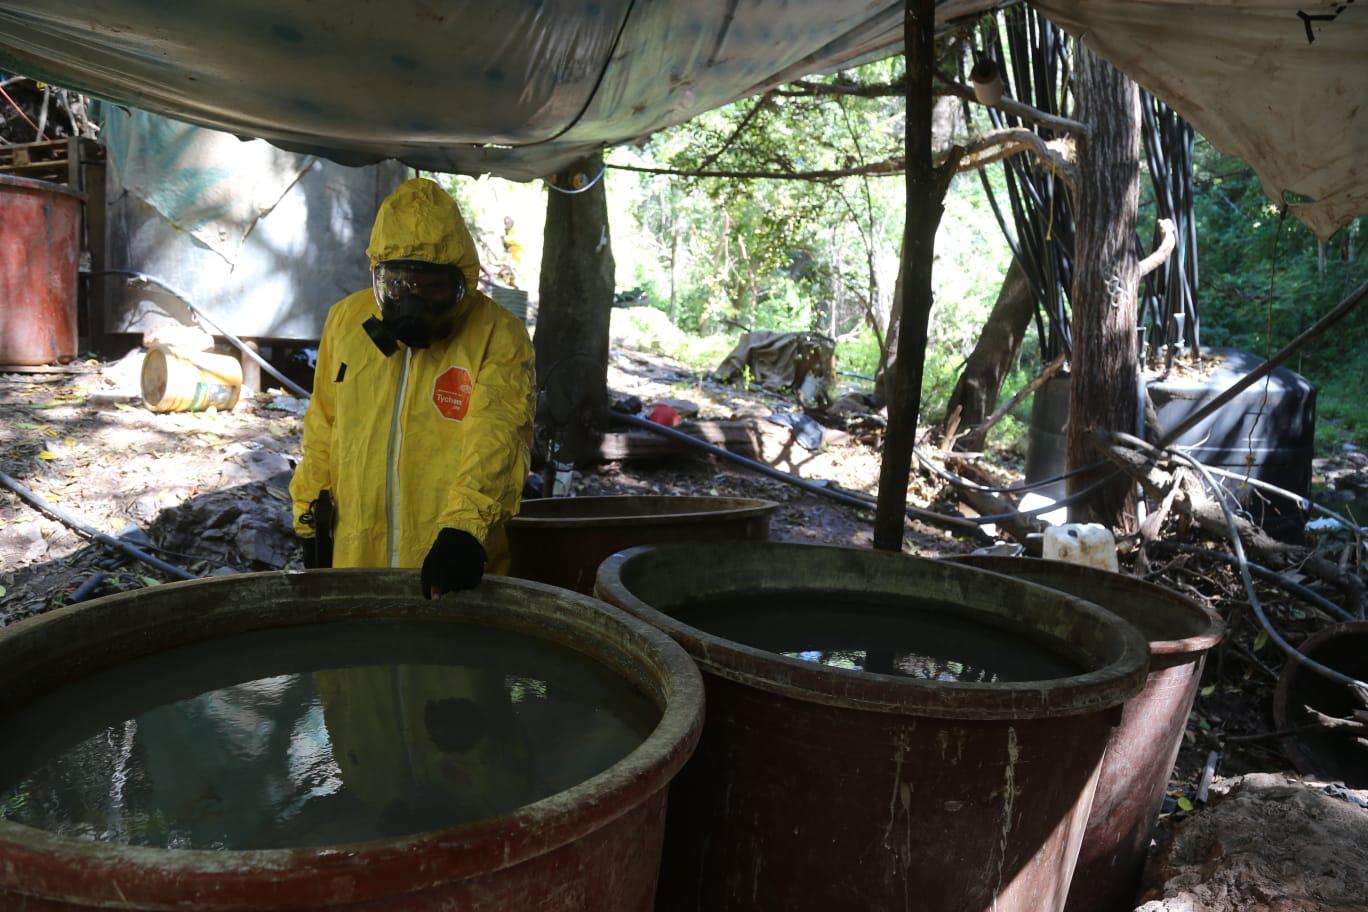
[495, 448]
[314, 472]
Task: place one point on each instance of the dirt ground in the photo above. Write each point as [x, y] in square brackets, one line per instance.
[208, 491]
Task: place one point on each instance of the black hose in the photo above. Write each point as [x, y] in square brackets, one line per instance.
[1245, 577]
[241, 346]
[1269, 576]
[87, 587]
[850, 500]
[108, 541]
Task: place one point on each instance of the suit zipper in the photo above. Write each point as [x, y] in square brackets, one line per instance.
[396, 439]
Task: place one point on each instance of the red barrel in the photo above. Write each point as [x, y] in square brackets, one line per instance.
[593, 847]
[819, 788]
[40, 245]
[1135, 774]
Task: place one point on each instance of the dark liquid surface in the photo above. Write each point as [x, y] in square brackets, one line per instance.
[316, 735]
[891, 635]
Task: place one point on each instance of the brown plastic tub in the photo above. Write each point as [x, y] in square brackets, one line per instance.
[562, 540]
[818, 788]
[1140, 757]
[1325, 753]
[594, 846]
[39, 249]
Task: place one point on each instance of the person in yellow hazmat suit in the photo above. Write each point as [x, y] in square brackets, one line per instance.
[420, 424]
[419, 430]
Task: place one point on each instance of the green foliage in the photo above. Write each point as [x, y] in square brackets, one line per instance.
[648, 329]
[1264, 281]
[766, 254]
[859, 353]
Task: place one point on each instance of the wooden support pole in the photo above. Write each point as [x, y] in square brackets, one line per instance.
[919, 236]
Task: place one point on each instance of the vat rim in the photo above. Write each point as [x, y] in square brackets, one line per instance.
[1122, 677]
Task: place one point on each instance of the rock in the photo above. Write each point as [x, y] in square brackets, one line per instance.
[251, 466]
[291, 404]
[1270, 843]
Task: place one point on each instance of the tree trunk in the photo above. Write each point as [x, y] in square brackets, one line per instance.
[976, 391]
[1105, 369]
[674, 256]
[576, 303]
[925, 203]
[888, 350]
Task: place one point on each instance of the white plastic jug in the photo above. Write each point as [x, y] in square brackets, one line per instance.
[1089, 544]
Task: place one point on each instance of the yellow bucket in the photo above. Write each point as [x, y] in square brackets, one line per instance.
[178, 380]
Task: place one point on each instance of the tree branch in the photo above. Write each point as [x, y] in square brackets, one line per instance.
[740, 128]
[994, 146]
[806, 89]
[1050, 370]
[1167, 241]
[889, 166]
[1018, 109]
[976, 153]
[801, 88]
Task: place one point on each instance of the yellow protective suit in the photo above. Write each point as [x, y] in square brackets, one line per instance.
[422, 440]
[427, 438]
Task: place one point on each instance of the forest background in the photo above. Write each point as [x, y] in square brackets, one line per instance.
[712, 256]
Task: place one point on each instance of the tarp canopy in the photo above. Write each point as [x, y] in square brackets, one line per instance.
[1283, 84]
[521, 88]
[517, 88]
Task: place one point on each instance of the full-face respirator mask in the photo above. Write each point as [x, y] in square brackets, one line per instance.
[418, 304]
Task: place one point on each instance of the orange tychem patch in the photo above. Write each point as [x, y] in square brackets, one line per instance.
[451, 393]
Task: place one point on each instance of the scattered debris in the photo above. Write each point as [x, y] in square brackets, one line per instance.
[1266, 842]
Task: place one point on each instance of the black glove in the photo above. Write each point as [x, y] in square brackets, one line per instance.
[456, 561]
[310, 546]
[318, 550]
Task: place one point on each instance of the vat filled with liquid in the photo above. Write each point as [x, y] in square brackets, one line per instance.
[1140, 757]
[884, 732]
[562, 540]
[292, 741]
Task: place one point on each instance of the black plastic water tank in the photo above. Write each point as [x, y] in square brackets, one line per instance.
[1045, 446]
[1267, 432]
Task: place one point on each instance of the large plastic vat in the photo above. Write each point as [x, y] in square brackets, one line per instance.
[818, 788]
[40, 245]
[595, 846]
[1135, 774]
[562, 540]
[1266, 432]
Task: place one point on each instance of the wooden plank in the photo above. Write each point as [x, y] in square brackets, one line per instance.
[56, 166]
[741, 437]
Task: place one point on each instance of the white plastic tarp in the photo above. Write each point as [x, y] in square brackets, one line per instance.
[1283, 84]
[207, 183]
[518, 88]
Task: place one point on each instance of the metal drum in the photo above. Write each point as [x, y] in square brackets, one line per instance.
[40, 244]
